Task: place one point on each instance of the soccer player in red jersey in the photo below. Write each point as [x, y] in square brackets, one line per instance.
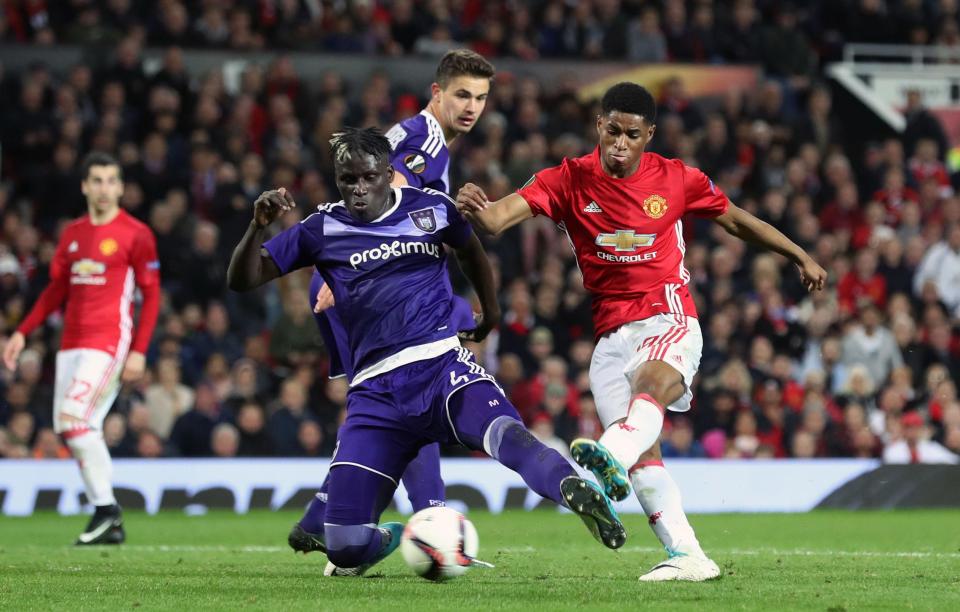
[621, 208]
[100, 260]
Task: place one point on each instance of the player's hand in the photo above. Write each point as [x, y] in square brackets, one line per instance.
[271, 204]
[134, 368]
[12, 350]
[470, 198]
[812, 275]
[324, 299]
[482, 330]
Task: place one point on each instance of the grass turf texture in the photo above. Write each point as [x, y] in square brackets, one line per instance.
[544, 560]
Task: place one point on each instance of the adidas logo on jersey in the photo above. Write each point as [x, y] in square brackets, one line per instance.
[592, 207]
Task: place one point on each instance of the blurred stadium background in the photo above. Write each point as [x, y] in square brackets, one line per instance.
[839, 122]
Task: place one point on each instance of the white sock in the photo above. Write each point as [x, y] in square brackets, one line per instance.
[660, 498]
[96, 467]
[628, 440]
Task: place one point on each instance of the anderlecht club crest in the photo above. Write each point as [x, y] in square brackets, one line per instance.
[424, 219]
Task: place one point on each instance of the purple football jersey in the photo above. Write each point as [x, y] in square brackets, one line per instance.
[420, 152]
[389, 276]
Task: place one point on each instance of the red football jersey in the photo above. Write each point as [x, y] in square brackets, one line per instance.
[626, 232]
[95, 270]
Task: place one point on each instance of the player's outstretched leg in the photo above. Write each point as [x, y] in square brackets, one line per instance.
[595, 510]
[482, 418]
[596, 458]
[660, 498]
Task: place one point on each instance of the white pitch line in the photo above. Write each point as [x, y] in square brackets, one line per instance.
[175, 548]
[799, 552]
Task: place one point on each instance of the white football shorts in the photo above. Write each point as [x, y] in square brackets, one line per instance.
[675, 339]
[88, 382]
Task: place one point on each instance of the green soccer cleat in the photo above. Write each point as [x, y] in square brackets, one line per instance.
[301, 540]
[391, 532]
[595, 510]
[609, 472]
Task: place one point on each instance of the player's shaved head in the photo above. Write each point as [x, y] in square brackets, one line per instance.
[352, 142]
[463, 62]
[630, 98]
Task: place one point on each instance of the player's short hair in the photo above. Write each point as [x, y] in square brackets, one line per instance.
[630, 98]
[355, 141]
[463, 62]
[99, 158]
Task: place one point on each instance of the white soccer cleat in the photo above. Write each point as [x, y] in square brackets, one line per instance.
[333, 570]
[683, 567]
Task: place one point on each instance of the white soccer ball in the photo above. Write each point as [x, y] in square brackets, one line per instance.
[439, 543]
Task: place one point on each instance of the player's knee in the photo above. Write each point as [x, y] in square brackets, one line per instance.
[349, 545]
[660, 383]
[649, 458]
[67, 425]
[651, 455]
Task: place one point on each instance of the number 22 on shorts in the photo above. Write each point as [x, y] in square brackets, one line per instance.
[78, 390]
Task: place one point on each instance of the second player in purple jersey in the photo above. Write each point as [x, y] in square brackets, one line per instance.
[420, 157]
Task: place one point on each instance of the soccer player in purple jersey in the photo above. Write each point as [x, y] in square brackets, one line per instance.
[420, 158]
[381, 251]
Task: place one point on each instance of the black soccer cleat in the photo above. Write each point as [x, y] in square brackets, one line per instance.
[301, 540]
[588, 501]
[105, 527]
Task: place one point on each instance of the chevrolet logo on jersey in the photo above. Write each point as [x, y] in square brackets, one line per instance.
[625, 240]
[88, 267]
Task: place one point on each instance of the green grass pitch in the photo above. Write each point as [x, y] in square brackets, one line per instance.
[544, 560]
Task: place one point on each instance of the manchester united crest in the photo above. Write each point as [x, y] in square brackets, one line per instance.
[655, 206]
[108, 246]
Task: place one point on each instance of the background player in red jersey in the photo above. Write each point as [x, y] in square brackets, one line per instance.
[621, 208]
[99, 261]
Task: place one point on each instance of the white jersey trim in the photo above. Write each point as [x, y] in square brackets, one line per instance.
[435, 139]
[126, 320]
[682, 245]
[398, 195]
[411, 354]
[364, 467]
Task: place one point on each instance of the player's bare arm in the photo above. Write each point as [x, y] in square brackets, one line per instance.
[491, 217]
[476, 267]
[251, 266]
[738, 222]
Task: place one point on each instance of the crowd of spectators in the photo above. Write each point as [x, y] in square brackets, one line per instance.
[868, 367]
[788, 37]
